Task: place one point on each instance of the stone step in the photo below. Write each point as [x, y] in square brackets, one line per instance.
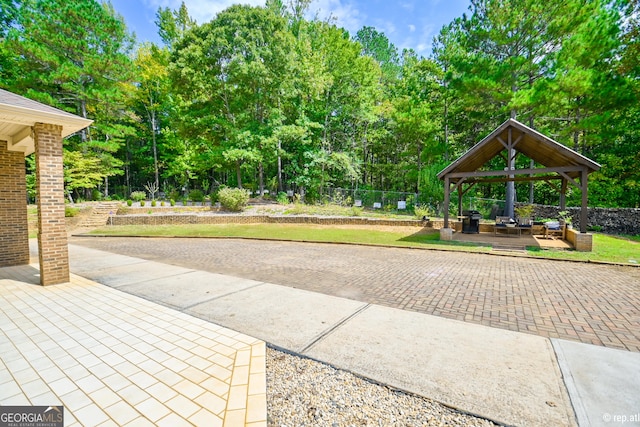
[508, 248]
[99, 215]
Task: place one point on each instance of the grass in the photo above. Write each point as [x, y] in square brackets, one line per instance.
[623, 249]
[336, 210]
[294, 232]
[606, 248]
[297, 232]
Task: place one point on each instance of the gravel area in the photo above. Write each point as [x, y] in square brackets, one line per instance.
[302, 392]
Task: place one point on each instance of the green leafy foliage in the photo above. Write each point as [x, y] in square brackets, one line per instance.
[264, 98]
[138, 196]
[233, 199]
[196, 195]
[282, 198]
[70, 211]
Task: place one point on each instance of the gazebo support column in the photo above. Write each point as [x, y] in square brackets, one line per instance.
[52, 233]
[584, 179]
[447, 200]
[14, 233]
[563, 195]
[446, 233]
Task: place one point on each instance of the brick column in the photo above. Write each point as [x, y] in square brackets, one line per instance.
[14, 233]
[52, 233]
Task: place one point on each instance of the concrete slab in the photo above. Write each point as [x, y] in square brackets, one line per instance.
[120, 275]
[286, 317]
[185, 290]
[603, 383]
[509, 377]
[83, 259]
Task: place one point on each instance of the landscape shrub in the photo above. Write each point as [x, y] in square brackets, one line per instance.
[153, 203]
[70, 211]
[282, 198]
[129, 202]
[233, 199]
[172, 202]
[196, 195]
[421, 211]
[142, 202]
[138, 196]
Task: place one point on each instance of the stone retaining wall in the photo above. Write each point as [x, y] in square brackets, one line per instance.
[258, 219]
[607, 220]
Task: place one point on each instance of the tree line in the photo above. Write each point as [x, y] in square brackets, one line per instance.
[268, 99]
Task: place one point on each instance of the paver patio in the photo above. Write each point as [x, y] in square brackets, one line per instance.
[115, 359]
[589, 303]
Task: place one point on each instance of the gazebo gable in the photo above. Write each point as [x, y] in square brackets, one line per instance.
[534, 145]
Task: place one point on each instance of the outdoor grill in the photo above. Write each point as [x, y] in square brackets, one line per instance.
[471, 221]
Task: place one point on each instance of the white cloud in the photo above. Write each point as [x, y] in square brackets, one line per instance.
[384, 26]
[407, 5]
[201, 10]
[421, 41]
[344, 13]
[412, 28]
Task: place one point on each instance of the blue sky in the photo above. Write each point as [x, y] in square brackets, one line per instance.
[407, 23]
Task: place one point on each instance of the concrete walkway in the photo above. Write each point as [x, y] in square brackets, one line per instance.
[507, 376]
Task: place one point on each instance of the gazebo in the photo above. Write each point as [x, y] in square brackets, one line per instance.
[552, 161]
[27, 126]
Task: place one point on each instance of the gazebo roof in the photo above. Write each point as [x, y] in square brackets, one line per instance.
[18, 114]
[556, 157]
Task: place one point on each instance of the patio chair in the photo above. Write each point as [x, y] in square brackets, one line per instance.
[553, 229]
[526, 224]
[501, 222]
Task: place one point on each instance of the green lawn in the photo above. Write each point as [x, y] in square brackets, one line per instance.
[295, 232]
[606, 248]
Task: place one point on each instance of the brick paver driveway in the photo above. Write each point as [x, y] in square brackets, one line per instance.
[595, 304]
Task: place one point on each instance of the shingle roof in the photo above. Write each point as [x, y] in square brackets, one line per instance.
[11, 99]
[18, 114]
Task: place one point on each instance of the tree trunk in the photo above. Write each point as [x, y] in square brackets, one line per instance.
[155, 149]
[238, 174]
[261, 179]
[280, 188]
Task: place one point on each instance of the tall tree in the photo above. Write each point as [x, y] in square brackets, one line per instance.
[418, 102]
[376, 45]
[173, 24]
[152, 95]
[75, 55]
[234, 73]
[347, 105]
